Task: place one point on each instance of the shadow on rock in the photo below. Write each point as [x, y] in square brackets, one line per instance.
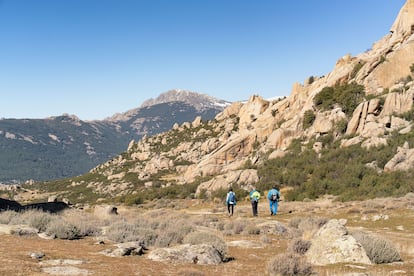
[51, 207]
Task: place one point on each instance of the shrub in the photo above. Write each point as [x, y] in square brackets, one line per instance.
[288, 264]
[167, 238]
[307, 224]
[252, 230]
[341, 126]
[311, 223]
[61, 229]
[412, 68]
[207, 238]
[174, 235]
[347, 96]
[294, 222]
[299, 246]
[266, 239]
[7, 216]
[311, 80]
[34, 218]
[239, 226]
[39, 219]
[308, 119]
[122, 231]
[378, 250]
[356, 69]
[85, 223]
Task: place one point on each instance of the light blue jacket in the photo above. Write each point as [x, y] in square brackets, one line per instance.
[228, 198]
[272, 192]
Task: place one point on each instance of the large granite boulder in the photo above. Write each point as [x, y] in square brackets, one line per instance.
[332, 244]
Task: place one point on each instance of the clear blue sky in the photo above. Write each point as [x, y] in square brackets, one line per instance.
[94, 58]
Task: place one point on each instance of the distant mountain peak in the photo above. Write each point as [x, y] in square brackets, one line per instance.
[201, 102]
[198, 100]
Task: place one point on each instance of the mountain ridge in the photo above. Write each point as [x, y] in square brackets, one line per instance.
[30, 146]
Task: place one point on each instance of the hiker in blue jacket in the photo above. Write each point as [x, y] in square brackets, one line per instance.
[230, 201]
[273, 196]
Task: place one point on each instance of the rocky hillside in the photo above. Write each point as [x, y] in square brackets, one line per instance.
[348, 133]
[64, 146]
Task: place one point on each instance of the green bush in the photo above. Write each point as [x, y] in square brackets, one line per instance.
[311, 79]
[308, 119]
[356, 69]
[412, 68]
[347, 96]
[341, 126]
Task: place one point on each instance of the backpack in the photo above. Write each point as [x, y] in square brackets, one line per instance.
[275, 197]
[232, 198]
[255, 196]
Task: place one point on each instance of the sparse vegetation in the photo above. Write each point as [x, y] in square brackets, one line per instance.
[207, 238]
[299, 246]
[166, 228]
[288, 264]
[61, 229]
[356, 69]
[307, 224]
[379, 251]
[311, 80]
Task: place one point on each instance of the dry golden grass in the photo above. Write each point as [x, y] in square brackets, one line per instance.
[212, 217]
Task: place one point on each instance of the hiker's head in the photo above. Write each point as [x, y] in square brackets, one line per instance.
[230, 189]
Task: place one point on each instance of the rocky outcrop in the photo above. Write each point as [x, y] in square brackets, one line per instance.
[403, 160]
[398, 103]
[370, 119]
[244, 178]
[125, 249]
[332, 244]
[186, 253]
[404, 24]
[391, 57]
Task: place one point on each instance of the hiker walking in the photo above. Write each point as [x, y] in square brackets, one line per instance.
[254, 199]
[273, 196]
[230, 201]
